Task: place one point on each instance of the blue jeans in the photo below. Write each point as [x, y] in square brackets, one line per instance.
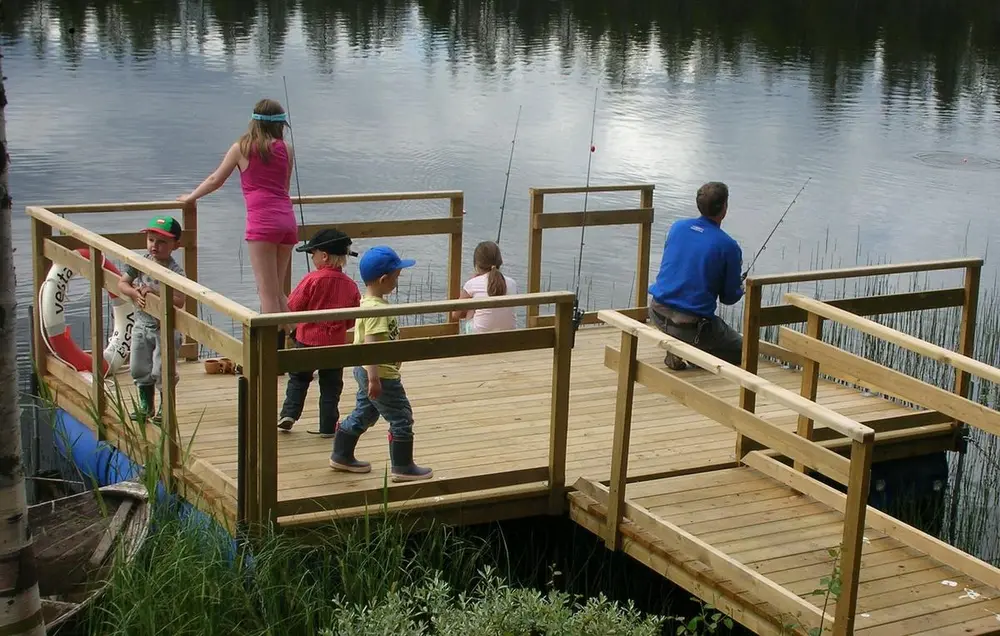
[391, 404]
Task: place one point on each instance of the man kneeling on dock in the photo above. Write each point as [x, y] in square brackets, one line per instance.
[700, 266]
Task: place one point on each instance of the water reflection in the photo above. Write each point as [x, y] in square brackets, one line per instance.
[941, 50]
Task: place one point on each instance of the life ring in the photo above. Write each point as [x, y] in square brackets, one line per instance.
[52, 300]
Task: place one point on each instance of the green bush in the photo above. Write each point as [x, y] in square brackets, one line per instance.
[492, 609]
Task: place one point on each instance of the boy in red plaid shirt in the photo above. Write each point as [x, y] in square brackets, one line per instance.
[327, 287]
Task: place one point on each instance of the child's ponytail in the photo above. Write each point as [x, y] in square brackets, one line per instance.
[487, 259]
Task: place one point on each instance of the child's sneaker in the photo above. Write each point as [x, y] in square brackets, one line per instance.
[403, 468]
[286, 423]
[343, 454]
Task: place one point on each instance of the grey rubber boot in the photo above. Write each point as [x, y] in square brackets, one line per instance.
[403, 468]
[343, 454]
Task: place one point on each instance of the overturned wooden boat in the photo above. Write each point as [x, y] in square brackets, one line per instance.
[79, 538]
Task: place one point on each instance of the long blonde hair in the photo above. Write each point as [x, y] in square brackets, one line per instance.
[260, 134]
[488, 260]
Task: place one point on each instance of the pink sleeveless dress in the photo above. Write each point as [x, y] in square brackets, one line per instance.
[270, 216]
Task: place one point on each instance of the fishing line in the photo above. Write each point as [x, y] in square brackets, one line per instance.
[510, 161]
[774, 229]
[295, 167]
[577, 313]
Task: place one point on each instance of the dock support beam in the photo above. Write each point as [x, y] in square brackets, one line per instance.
[854, 535]
[751, 353]
[627, 368]
[562, 357]
[810, 382]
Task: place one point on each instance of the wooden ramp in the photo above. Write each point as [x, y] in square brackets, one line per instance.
[760, 539]
[782, 525]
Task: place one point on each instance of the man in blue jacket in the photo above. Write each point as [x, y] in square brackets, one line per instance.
[700, 267]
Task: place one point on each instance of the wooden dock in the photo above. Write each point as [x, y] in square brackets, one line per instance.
[706, 475]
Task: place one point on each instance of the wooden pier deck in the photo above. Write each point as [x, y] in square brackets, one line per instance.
[486, 414]
[706, 475]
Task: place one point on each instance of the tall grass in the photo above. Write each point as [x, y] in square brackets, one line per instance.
[378, 574]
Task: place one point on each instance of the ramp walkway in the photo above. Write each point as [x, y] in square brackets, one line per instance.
[768, 543]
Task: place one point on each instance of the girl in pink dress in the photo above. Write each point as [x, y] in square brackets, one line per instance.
[265, 164]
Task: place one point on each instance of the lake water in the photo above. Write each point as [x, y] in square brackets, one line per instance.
[890, 107]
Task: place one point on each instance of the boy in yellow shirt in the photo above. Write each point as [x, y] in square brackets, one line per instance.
[380, 390]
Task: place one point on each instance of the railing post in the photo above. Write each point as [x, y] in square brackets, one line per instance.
[97, 338]
[810, 381]
[623, 431]
[642, 265]
[967, 333]
[534, 252]
[455, 249]
[559, 413]
[267, 415]
[242, 400]
[190, 218]
[854, 534]
[39, 269]
[168, 379]
[248, 460]
[751, 353]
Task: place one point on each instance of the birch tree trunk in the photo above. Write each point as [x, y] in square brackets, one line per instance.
[20, 603]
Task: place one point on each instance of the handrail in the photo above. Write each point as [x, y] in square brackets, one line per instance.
[376, 197]
[132, 206]
[410, 309]
[867, 270]
[631, 187]
[904, 340]
[840, 423]
[180, 283]
[756, 316]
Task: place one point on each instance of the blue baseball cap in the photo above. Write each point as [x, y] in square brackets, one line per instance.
[381, 260]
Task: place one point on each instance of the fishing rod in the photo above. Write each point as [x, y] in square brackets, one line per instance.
[743, 277]
[295, 167]
[510, 161]
[577, 312]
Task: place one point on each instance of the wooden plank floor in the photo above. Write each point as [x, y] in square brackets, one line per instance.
[491, 413]
[785, 535]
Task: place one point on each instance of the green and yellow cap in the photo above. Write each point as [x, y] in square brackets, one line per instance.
[165, 226]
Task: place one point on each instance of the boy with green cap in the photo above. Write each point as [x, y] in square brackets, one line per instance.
[163, 233]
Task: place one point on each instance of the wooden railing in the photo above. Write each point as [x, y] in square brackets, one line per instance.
[49, 248]
[56, 239]
[540, 221]
[756, 317]
[264, 362]
[853, 473]
[137, 240]
[449, 226]
[839, 363]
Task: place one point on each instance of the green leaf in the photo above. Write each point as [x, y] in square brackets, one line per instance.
[728, 622]
[692, 624]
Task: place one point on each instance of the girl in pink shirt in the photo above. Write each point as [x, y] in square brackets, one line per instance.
[265, 164]
[488, 281]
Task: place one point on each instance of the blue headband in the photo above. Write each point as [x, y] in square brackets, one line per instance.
[281, 117]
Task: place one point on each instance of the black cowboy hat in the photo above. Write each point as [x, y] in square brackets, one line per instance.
[331, 241]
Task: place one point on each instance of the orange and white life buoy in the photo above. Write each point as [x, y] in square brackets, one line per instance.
[52, 301]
